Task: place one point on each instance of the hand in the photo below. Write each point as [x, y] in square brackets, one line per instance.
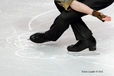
[106, 18]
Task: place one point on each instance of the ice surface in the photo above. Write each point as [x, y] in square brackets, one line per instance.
[20, 57]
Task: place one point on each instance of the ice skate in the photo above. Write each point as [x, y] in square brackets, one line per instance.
[39, 38]
[83, 44]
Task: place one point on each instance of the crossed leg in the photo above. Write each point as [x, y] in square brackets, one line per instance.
[81, 31]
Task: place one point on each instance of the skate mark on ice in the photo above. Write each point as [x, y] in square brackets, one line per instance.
[30, 22]
[27, 49]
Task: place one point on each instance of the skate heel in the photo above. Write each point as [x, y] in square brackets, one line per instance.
[93, 48]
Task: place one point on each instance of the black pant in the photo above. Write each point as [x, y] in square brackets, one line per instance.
[73, 18]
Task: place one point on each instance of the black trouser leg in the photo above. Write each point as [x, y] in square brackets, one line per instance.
[62, 22]
[80, 29]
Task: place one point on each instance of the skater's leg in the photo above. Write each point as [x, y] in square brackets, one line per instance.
[84, 35]
[61, 23]
[77, 26]
[80, 29]
[60, 8]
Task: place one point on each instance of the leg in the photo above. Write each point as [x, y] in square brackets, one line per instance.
[60, 8]
[77, 26]
[60, 24]
[84, 35]
[80, 29]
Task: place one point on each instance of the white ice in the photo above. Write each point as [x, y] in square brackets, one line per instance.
[20, 57]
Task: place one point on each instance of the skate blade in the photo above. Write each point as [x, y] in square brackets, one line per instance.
[85, 53]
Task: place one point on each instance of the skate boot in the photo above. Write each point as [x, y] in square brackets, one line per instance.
[83, 44]
[39, 38]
